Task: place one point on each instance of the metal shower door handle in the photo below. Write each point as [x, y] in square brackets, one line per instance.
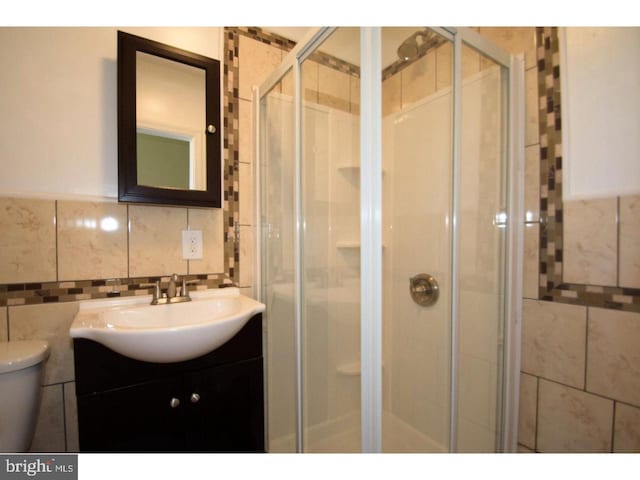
[424, 289]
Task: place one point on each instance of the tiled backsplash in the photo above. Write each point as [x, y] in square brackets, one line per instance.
[61, 251]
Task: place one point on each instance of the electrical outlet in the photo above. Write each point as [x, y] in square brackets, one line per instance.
[191, 244]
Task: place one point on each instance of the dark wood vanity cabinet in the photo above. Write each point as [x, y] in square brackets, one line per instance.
[213, 403]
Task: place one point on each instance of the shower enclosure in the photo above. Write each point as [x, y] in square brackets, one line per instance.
[389, 180]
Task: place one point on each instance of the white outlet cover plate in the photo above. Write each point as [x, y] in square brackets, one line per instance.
[192, 244]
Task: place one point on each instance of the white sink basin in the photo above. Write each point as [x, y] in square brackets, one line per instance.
[165, 333]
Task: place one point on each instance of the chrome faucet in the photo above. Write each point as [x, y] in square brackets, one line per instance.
[174, 293]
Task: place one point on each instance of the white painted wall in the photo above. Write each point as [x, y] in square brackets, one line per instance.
[58, 106]
[600, 81]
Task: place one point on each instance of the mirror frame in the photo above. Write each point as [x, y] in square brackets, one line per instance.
[128, 188]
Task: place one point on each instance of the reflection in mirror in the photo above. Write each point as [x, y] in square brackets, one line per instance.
[170, 114]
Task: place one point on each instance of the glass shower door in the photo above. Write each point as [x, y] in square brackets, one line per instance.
[443, 217]
[330, 192]
[277, 264]
[417, 145]
[444, 228]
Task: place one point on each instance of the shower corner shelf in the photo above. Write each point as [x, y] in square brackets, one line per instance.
[353, 369]
[349, 369]
[349, 167]
[345, 245]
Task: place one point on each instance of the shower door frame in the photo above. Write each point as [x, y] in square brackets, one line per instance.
[371, 225]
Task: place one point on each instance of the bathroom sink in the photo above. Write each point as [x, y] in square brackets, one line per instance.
[165, 333]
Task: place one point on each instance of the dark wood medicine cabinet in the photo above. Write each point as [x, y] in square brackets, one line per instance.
[198, 182]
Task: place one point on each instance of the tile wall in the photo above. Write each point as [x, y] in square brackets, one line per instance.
[580, 385]
[54, 253]
[326, 81]
[588, 253]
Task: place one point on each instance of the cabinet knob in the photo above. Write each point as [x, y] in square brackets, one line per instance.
[174, 403]
[195, 398]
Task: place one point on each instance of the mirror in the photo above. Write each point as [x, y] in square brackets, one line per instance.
[168, 124]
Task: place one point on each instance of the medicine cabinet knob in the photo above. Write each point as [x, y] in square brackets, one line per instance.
[195, 398]
[211, 129]
[174, 402]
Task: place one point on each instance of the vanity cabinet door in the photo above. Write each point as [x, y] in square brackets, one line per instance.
[227, 413]
[137, 418]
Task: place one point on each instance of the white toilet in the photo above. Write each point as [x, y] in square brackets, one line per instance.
[20, 378]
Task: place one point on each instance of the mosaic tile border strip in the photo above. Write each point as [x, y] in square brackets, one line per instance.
[73, 291]
[231, 152]
[274, 40]
[231, 138]
[551, 286]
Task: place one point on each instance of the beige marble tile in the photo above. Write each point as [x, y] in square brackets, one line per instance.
[572, 421]
[444, 69]
[528, 410]
[92, 240]
[4, 333]
[310, 78]
[553, 341]
[391, 95]
[246, 194]
[613, 356]
[210, 222]
[249, 292]
[532, 183]
[590, 242]
[71, 417]
[530, 279]
[514, 40]
[532, 129]
[155, 240]
[49, 322]
[626, 436]
[630, 241]
[470, 61]
[309, 82]
[333, 88]
[245, 131]
[354, 94]
[247, 257]
[49, 434]
[256, 61]
[27, 240]
[419, 79]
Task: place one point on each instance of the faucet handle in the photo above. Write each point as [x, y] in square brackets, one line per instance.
[183, 291]
[156, 293]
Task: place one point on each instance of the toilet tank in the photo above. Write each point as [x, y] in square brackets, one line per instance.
[21, 369]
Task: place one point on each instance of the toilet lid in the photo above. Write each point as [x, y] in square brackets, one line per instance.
[22, 354]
